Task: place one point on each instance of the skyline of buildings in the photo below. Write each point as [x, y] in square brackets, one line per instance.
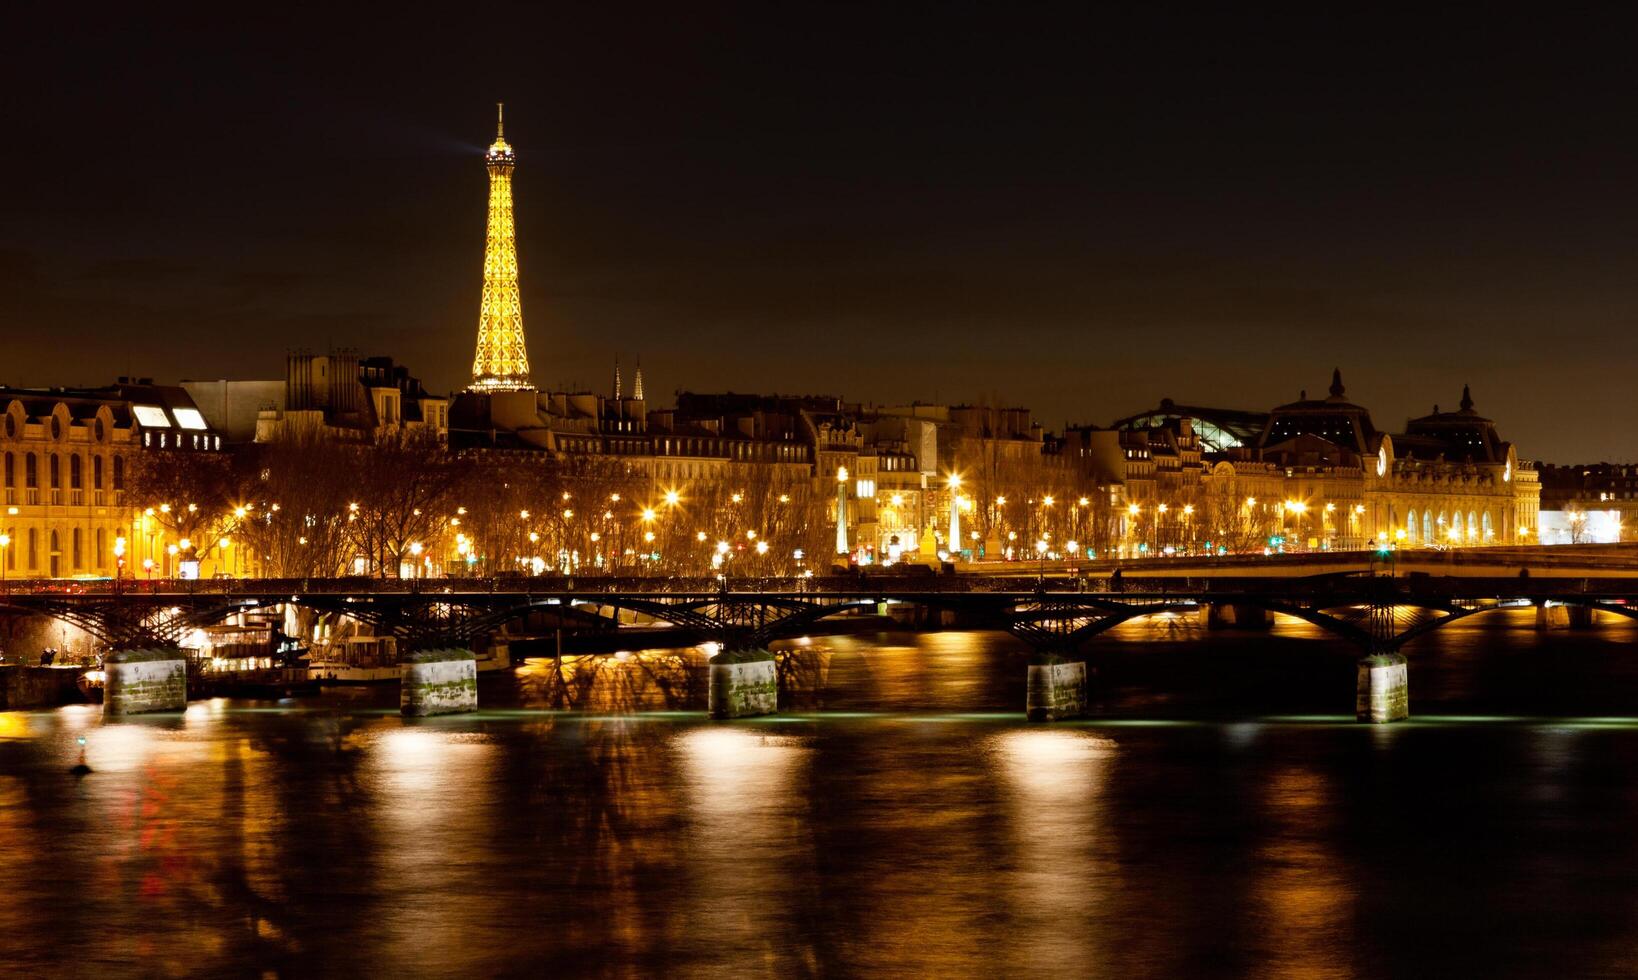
[928, 481]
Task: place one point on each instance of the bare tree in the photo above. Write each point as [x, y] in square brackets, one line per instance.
[403, 487]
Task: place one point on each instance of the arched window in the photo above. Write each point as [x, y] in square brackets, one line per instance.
[76, 472]
[96, 472]
[102, 548]
[119, 472]
[33, 549]
[1472, 524]
[11, 470]
[31, 471]
[1489, 530]
[79, 554]
[1427, 527]
[1410, 527]
[54, 555]
[54, 468]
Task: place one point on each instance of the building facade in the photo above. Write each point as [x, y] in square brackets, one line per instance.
[69, 456]
[1317, 474]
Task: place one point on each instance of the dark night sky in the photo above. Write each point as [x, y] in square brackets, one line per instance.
[945, 201]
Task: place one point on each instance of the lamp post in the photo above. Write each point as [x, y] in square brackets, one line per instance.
[1040, 552]
[954, 483]
[841, 510]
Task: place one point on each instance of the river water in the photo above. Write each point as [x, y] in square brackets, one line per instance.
[1220, 815]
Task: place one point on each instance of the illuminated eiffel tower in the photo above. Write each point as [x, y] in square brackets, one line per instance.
[502, 363]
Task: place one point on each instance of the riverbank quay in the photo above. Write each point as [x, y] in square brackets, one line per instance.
[24, 687]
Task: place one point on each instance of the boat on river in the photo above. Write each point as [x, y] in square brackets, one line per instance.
[374, 660]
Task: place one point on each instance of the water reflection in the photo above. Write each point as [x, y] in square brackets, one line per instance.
[1061, 884]
[910, 825]
[1302, 900]
[746, 860]
[432, 840]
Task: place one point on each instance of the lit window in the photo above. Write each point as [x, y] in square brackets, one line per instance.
[189, 418]
[151, 416]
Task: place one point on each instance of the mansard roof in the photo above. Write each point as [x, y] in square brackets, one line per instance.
[1334, 419]
[1460, 435]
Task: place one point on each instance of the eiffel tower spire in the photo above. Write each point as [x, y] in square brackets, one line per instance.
[617, 377]
[502, 363]
[637, 383]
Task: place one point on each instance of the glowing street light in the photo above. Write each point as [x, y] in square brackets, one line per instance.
[671, 498]
[762, 547]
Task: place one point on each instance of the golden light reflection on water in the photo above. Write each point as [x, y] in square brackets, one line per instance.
[646, 680]
[1062, 881]
[743, 807]
[430, 792]
[1303, 890]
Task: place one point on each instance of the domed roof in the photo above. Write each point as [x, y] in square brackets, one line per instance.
[1334, 419]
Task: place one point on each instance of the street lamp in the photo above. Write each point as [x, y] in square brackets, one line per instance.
[841, 510]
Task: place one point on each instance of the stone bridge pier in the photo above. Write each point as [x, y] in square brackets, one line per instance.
[1235, 615]
[1382, 687]
[140, 681]
[1055, 689]
[438, 682]
[742, 683]
[1558, 616]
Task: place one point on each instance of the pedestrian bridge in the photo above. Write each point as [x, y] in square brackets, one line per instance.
[1376, 611]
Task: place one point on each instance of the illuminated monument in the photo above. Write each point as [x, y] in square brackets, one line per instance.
[502, 363]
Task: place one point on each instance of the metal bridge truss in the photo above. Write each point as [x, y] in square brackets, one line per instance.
[1058, 622]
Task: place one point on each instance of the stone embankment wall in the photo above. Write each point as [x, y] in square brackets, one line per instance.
[38, 687]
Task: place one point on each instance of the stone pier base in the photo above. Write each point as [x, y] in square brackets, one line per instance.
[1055, 691]
[438, 682]
[144, 680]
[1224, 615]
[1562, 617]
[1383, 691]
[742, 684]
